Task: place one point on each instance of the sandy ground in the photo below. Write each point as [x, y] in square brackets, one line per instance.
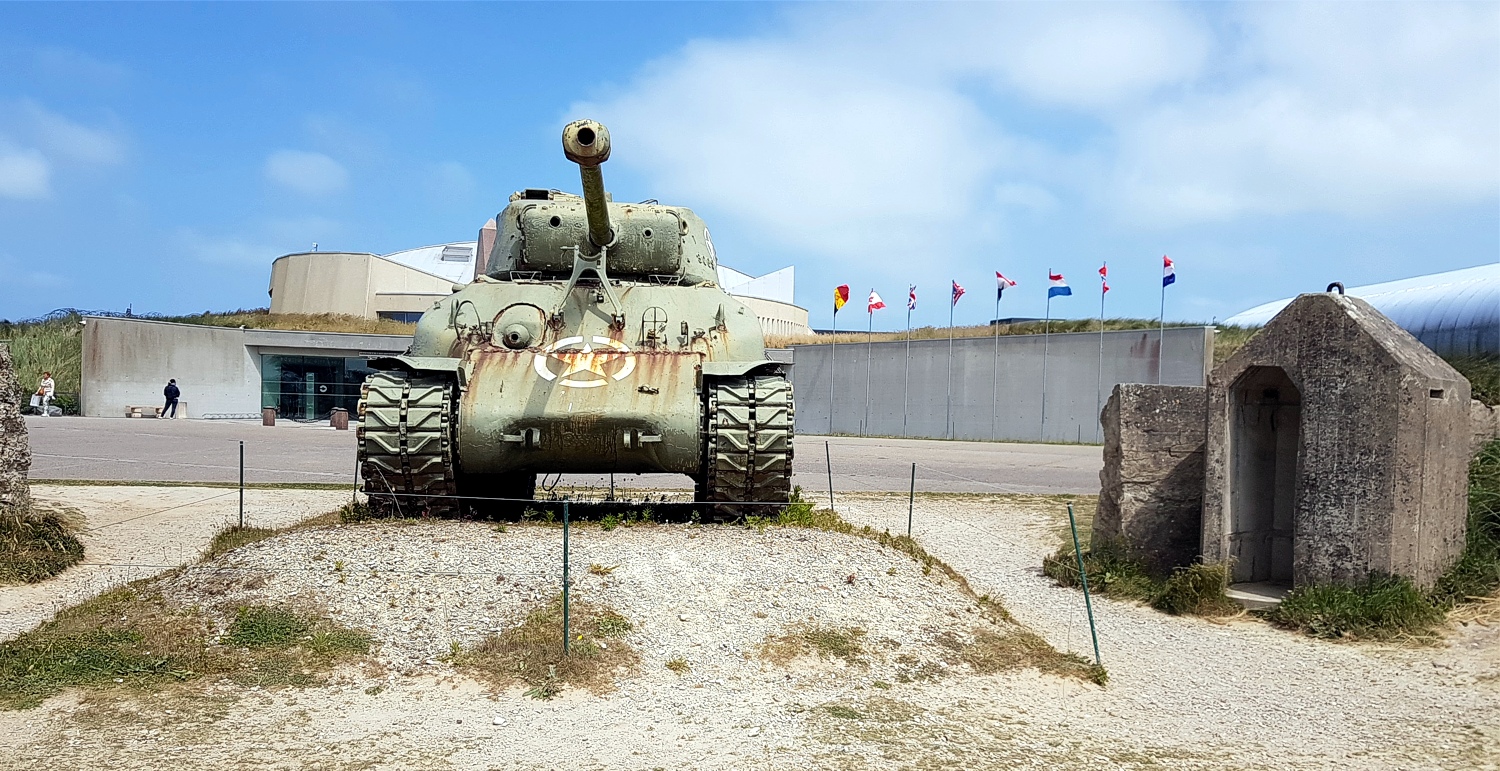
[137, 532]
[1184, 693]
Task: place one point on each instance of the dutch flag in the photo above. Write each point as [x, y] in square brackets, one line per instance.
[1168, 273]
[1059, 287]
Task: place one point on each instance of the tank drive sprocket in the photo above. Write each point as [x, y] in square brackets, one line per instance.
[748, 452]
[406, 444]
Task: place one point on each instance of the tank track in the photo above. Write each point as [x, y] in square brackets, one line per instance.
[748, 452]
[406, 444]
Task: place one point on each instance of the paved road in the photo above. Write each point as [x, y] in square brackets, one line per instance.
[207, 451]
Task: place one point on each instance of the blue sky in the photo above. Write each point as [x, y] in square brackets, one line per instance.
[162, 155]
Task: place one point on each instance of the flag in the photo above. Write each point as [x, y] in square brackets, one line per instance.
[1168, 273]
[958, 292]
[1059, 287]
[1104, 278]
[1001, 283]
[840, 296]
[875, 302]
[911, 298]
[1105, 284]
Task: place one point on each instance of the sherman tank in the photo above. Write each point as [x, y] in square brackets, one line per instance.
[597, 340]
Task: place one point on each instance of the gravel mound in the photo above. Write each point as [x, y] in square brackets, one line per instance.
[711, 595]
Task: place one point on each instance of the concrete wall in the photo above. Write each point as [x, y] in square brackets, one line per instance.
[1151, 486]
[777, 318]
[351, 283]
[128, 361]
[984, 407]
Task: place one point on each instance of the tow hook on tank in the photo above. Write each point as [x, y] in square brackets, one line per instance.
[529, 438]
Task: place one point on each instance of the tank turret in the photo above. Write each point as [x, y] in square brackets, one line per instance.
[586, 143]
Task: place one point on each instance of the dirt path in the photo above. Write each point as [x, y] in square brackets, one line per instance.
[1265, 695]
[137, 532]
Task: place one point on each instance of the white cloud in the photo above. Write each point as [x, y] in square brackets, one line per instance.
[265, 243]
[24, 173]
[854, 131]
[68, 140]
[311, 174]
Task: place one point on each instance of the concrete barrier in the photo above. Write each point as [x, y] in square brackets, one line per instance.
[996, 385]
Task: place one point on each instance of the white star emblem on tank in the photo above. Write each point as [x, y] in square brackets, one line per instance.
[585, 362]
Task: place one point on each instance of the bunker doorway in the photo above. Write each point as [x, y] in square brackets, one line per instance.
[1265, 432]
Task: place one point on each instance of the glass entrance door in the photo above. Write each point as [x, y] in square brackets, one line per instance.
[308, 388]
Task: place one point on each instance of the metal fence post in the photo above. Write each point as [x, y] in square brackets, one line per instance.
[1088, 603]
[911, 499]
[567, 632]
[828, 459]
[242, 484]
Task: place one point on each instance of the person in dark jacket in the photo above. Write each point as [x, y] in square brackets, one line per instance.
[171, 392]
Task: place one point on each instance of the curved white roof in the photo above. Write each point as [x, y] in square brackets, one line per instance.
[1454, 312]
[454, 261]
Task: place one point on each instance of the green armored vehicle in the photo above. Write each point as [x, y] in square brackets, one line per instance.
[597, 341]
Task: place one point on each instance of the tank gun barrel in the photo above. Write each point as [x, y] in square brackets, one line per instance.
[586, 143]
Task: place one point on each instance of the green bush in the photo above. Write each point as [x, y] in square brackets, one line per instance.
[35, 544]
[1196, 590]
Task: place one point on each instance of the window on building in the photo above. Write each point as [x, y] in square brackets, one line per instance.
[456, 254]
[405, 317]
[309, 387]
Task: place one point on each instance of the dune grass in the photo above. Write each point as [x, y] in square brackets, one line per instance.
[37, 542]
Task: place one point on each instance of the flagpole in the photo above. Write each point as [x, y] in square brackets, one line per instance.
[1099, 384]
[906, 374]
[995, 378]
[833, 366]
[1046, 339]
[1161, 329]
[869, 361]
[949, 419]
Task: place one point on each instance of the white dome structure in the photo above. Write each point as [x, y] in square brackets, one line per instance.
[1454, 313]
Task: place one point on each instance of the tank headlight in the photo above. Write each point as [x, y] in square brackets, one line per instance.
[516, 336]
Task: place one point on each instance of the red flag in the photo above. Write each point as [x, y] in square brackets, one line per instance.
[1103, 270]
[840, 296]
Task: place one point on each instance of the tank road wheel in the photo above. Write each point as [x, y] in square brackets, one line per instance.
[748, 452]
[406, 444]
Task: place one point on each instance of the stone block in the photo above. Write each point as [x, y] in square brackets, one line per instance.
[1484, 424]
[1151, 486]
[15, 450]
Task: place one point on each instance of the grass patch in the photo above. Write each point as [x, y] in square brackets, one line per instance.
[990, 652]
[1483, 373]
[37, 542]
[1383, 607]
[531, 653]
[1195, 590]
[826, 641]
[133, 637]
[233, 537]
[679, 665]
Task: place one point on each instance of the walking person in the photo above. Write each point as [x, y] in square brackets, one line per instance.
[45, 389]
[171, 392]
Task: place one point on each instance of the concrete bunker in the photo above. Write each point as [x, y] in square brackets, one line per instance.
[1264, 440]
[1332, 447]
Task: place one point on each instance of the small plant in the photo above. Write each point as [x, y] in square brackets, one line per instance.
[679, 665]
[601, 570]
[826, 641]
[499, 527]
[609, 522]
[1196, 590]
[543, 516]
[842, 712]
[1380, 608]
[338, 566]
[758, 524]
[375, 690]
[549, 686]
[612, 624]
[37, 543]
[354, 512]
[257, 626]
